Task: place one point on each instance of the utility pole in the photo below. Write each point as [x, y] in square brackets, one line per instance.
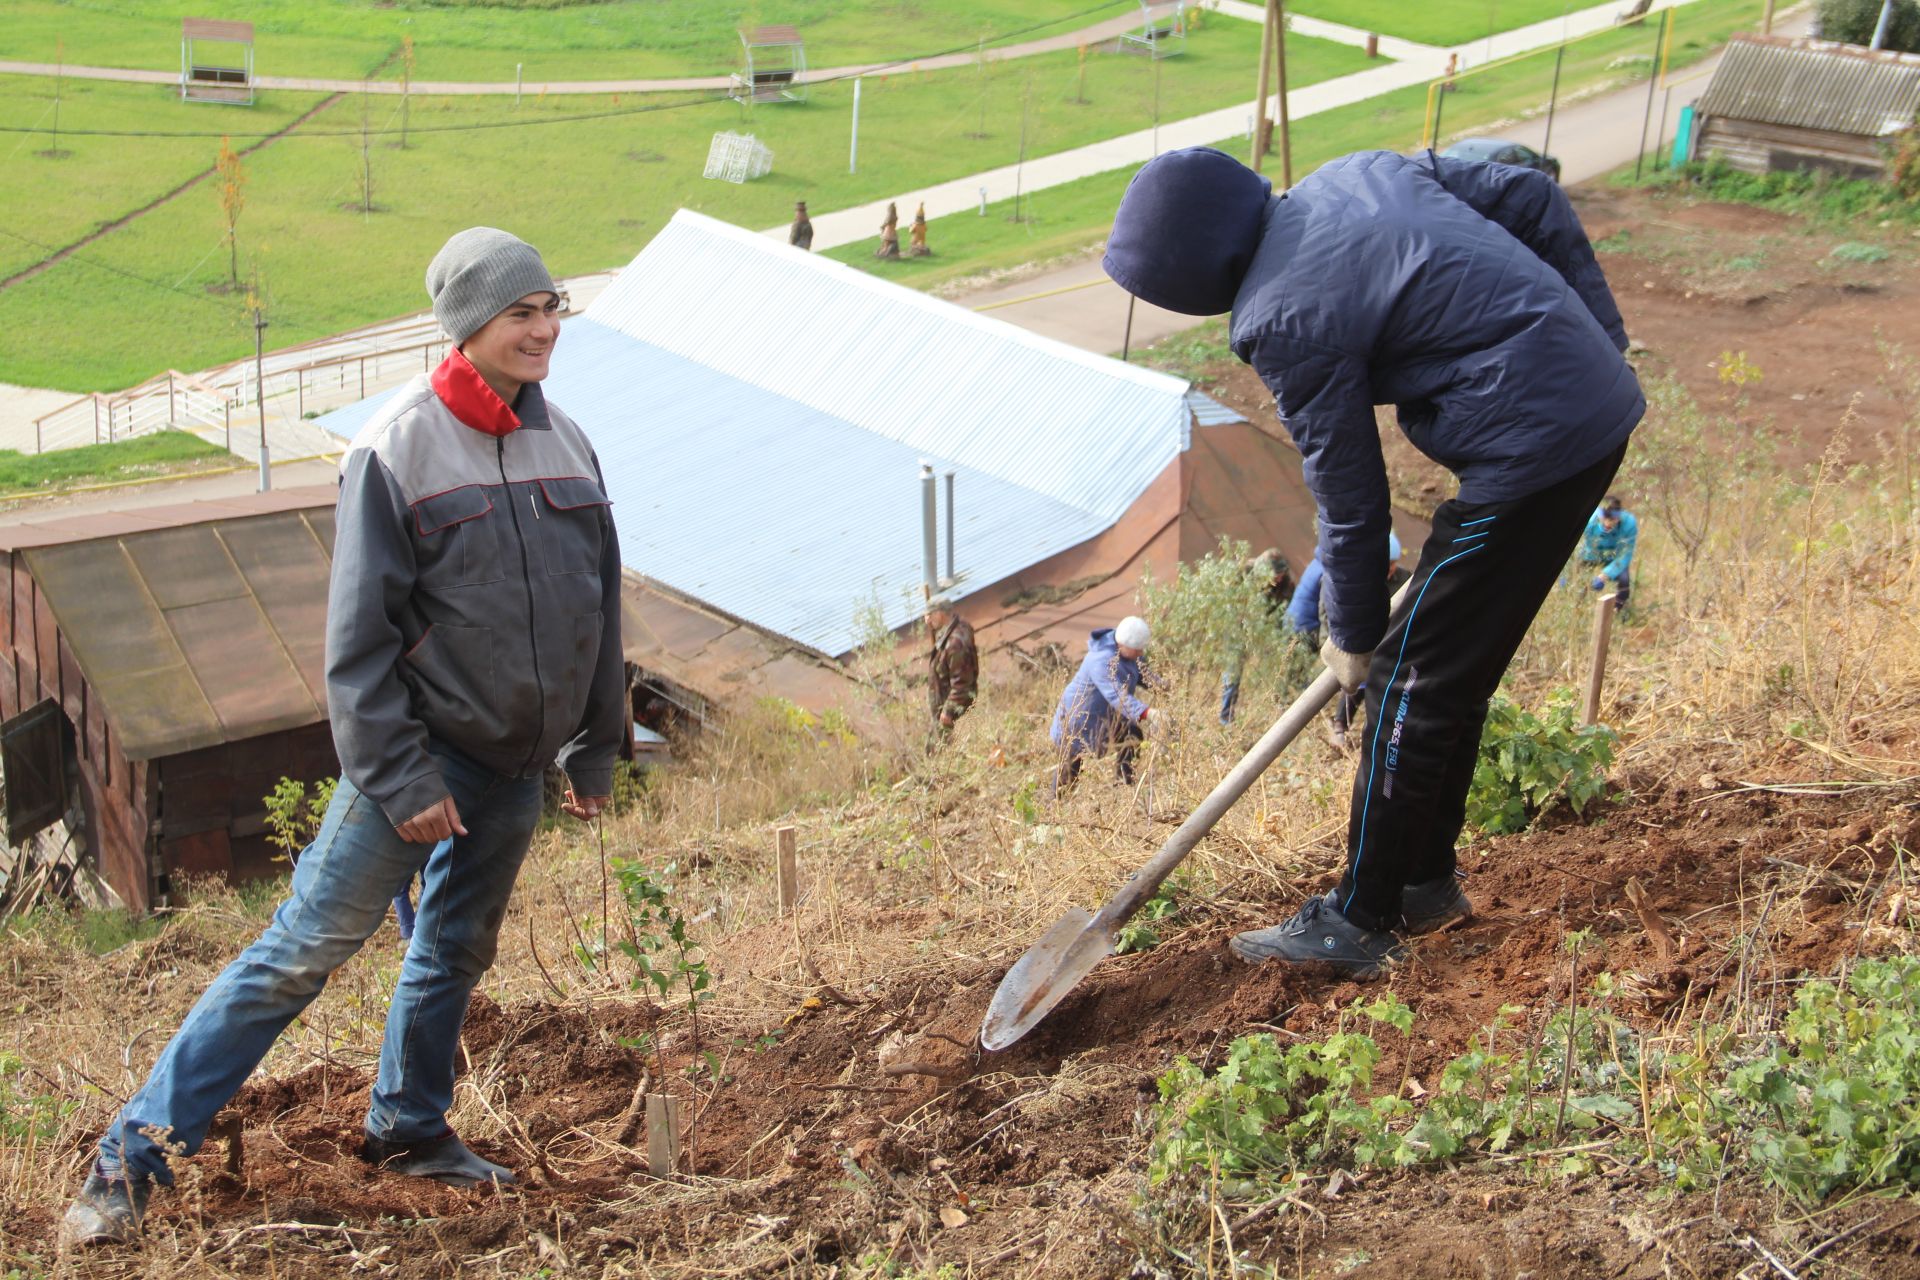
[853, 146]
[1766, 20]
[260, 395]
[1880, 27]
[1279, 8]
[1260, 94]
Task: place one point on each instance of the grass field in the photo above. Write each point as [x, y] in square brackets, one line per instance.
[156, 454]
[1073, 216]
[1442, 22]
[620, 39]
[136, 300]
[56, 200]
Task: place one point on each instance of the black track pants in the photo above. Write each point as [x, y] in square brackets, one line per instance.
[1482, 577]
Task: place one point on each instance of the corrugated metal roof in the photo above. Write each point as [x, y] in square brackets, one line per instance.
[935, 377]
[197, 634]
[760, 416]
[1208, 412]
[1815, 85]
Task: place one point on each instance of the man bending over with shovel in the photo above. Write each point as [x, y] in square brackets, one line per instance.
[1466, 294]
[473, 637]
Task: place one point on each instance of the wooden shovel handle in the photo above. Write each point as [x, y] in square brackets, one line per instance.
[1145, 882]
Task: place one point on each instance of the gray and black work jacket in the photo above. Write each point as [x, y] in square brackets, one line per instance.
[475, 597]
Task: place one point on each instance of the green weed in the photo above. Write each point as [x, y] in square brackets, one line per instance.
[1529, 763]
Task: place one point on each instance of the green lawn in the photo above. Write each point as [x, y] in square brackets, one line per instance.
[615, 39]
[57, 200]
[589, 193]
[1442, 22]
[1071, 217]
[156, 454]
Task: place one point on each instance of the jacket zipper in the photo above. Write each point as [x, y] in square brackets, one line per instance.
[526, 580]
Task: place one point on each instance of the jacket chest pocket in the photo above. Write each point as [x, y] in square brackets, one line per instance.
[457, 539]
[571, 524]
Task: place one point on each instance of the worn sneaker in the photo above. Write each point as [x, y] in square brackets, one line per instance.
[107, 1210]
[1319, 932]
[444, 1159]
[1435, 905]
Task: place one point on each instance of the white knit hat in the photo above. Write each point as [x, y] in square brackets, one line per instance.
[1132, 633]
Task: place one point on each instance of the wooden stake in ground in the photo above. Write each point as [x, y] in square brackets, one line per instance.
[1663, 940]
[663, 1134]
[789, 870]
[1602, 627]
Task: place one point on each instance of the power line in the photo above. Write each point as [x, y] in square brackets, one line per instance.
[611, 113]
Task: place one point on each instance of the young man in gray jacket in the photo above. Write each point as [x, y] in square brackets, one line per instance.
[472, 640]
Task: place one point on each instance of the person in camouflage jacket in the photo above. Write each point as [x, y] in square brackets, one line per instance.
[953, 665]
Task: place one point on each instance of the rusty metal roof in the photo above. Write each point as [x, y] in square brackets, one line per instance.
[194, 632]
[216, 29]
[1811, 84]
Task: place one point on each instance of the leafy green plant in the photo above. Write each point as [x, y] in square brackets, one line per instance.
[664, 955]
[25, 1115]
[294, 814]
[1836, 1101]
[1213, 614]
[1139, 934]
[1529, 762]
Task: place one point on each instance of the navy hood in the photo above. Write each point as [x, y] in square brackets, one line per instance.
[1187, 229]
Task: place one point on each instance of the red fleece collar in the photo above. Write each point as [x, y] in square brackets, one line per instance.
[462, 389]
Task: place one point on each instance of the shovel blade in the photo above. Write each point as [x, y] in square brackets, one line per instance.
[1042, 977]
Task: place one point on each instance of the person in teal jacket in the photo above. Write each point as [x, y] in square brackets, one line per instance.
[1609, 544]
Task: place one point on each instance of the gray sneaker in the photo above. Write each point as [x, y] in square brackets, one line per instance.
[107, 1211]
[444, 1159]
[1435, 905]
[1319, 933]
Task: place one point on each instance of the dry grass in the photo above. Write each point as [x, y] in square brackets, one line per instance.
[1784, 648]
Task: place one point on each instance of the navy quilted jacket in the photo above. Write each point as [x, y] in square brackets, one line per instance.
[1464, 293]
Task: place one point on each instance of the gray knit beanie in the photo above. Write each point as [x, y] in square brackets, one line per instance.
[479, 273]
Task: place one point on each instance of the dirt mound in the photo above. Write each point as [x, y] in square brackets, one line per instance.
[884, 1106]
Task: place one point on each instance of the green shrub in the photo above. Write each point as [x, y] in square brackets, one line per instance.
[1837, 1099]
[294, 816]
[1853, 22]
[1215, 615]
[1528, 763]
[1828, 1102]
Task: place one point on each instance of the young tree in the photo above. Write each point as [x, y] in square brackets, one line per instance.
[406, 85]
[366, 153]
[233, 198]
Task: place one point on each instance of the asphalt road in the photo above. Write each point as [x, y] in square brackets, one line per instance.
[1078, 304]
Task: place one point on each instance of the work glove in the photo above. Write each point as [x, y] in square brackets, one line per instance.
[1600, 582]
[1350, 669]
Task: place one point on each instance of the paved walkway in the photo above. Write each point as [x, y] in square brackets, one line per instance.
[1111, 29]
[1593, 137]
[1420, 64]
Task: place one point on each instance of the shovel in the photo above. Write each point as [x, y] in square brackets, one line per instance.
[1053, 966]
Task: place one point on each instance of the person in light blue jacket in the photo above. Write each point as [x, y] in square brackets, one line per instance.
[1098, 706]
[1610, 536]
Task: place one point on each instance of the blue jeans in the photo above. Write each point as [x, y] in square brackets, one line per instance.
[342, 886]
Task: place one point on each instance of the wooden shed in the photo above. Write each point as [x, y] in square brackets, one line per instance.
[1777, 104]
[161, 670]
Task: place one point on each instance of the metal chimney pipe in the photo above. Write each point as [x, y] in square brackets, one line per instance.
[950, 575]
[929, 527]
